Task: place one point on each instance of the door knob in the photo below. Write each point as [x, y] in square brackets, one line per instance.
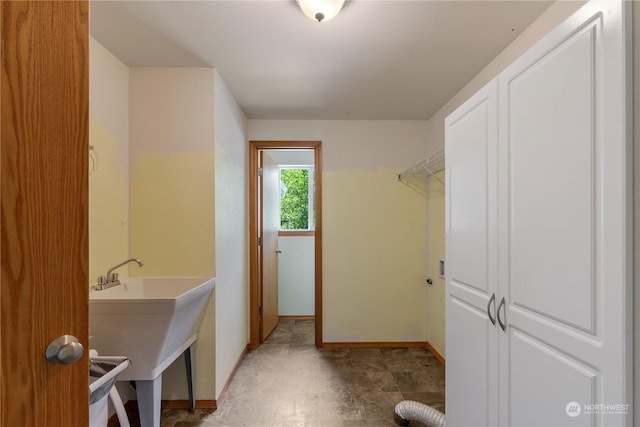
[65, 349]
[278, 251]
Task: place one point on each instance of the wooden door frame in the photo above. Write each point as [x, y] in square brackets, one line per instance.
[254, 295]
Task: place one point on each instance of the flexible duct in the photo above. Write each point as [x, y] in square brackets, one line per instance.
[408, 410]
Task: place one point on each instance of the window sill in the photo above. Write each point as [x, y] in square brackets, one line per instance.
[296, 233]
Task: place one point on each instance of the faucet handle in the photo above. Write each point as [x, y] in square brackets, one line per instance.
[113, 277]
[102, 280]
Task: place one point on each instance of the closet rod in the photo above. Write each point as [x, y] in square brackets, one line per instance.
[431, 165]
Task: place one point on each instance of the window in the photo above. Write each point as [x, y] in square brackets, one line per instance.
[296, 198]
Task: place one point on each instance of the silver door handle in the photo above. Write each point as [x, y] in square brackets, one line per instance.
[278, 251]
[492, 317]
[65, 349]
[502, 325]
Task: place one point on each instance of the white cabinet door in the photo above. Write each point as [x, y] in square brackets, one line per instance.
[564, 227]
[540, 217]
[471, 229]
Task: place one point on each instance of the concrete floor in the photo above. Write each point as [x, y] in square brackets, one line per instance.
[288, 382]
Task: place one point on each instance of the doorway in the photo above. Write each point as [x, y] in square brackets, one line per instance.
[263, 252]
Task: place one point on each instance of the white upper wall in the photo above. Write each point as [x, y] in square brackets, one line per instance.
[172, 110]
[109, 89]
[351, 144]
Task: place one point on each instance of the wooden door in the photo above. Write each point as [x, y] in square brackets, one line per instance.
[471, 229]
[269, 232]
[44, 204]
[565, 226]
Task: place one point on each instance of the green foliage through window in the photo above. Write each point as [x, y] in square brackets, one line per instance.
[294, 199]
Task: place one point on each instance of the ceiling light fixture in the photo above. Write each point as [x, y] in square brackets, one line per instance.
[320, 10]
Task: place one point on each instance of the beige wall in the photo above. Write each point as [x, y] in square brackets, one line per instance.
[232, 300]
[172, 194]
[373, 226]
[109, 163]
[435, 137]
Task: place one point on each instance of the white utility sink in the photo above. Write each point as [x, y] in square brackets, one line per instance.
[152, 321]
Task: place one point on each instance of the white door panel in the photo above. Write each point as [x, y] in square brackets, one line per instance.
[471, 274]
[469, 216]
[551, 146]
[563, 237]
[538, 226]
[469, 378]
[536, 396]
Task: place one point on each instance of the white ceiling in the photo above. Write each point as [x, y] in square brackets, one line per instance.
[388, 59]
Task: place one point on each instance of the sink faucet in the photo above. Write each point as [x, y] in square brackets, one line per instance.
[111, 279]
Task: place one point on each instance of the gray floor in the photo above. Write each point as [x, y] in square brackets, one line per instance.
[288, 382]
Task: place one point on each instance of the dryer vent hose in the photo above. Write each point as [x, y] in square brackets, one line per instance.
[408, 410]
